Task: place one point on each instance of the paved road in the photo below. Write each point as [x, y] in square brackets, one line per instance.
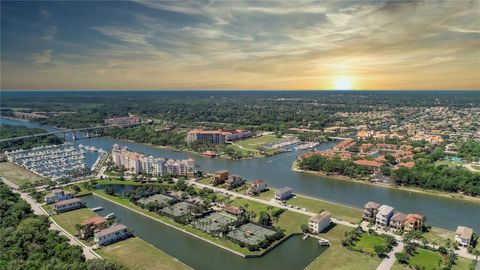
[272, 203]
[388, 262]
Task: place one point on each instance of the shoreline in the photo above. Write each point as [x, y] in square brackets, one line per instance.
[197, 236]
[449, 195]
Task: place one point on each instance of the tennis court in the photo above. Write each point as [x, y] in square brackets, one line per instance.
[214, 222]
[250, 234]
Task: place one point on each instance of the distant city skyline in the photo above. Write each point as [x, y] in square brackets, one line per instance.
[240, 45]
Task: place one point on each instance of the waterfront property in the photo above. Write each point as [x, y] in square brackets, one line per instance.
[90, 225]
[319, 222]
[112, 234]
[413, 222]
[137, 163]
[257, 186]
[370, 211]
[283, 193]
[463, 236]
[397, 221]
[68, 205]
[382, 219]
[159, 199]
[219, 136]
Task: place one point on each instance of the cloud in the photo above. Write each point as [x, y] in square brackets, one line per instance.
[42, 58]
[44, 13]
[49, 33]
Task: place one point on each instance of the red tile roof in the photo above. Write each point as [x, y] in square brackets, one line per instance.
[94, 220]
[368, 163]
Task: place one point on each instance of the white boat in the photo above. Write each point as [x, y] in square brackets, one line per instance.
[97, 208]
[110, 216]
[324, 242]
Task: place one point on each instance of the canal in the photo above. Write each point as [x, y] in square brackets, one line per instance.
[440, 211]
[292, 254]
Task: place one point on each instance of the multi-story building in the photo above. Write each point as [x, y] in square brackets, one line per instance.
[283, 193]
[257, 186]
[57, 195]
[463, 236]
[129, 120]
[397, 221]
[370, 211]
[319, 222]
[67, 205]
[382, 219]
[111, 234]
[413, 222]
[219, 136]
[138, 163]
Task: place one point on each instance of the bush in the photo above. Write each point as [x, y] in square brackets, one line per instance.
[401, 257]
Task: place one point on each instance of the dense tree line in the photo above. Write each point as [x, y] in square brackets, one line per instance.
[267, 110]
[334, 165]
[27, 243]
[9, 131]
[429, 176]
[470, 151]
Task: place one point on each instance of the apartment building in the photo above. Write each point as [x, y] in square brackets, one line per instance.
[67, 205]
[137, 163]
[219, 136]
[112, 234]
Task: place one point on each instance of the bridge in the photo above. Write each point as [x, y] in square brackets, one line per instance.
[87, 130]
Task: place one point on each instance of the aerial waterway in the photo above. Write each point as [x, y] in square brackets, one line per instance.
[440, 211]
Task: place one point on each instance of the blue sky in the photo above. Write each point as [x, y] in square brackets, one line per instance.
[240, 44]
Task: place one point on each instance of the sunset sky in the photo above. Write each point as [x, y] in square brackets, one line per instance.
[240, 45]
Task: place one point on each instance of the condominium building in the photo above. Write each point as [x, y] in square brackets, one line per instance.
[219, 136]
[138, 163]
[111, 234]
[67, 205]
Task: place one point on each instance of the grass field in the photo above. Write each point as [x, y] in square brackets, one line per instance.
[267, 195]
[250, 205]
[17, 174]
[367, 243]
[290, 222]
[205, 181]
[250, 145]
[68, 220]
[439, 236]
[146, 255]
[337, 257]
[460, 264]
[341, 212]
[426, 259]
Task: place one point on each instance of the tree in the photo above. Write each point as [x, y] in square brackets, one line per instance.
[401, 257]
[264, 219]
[380, 250]
[304, 228]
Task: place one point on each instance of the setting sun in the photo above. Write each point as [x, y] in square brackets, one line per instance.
[343, 83]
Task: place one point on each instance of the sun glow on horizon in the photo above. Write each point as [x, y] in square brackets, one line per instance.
[343, 83]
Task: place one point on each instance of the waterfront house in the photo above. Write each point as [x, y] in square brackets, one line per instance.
[372, 165]
[219, 177]
[90, 225]
[463, 236]
[234, 181]
[57, 195]
[283, 193]
[67, 205]
[413, 222]
[257, 186]
[112, 234]
[233, 210]
[370, 211]
[382, 219]
[319, 222]
[397, 221]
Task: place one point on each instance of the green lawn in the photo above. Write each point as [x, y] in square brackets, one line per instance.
[145, 256]
[17, 174]
[250, 205]
[68, 220]
[426, 259]
[367, 243]
[205, 181]
[290, 222]
[341, 212]
[253, 143]
[337, 257]
[267, 195]
[439, 236]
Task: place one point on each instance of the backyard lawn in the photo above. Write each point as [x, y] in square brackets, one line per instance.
[250, 205]
[146, 255]
[439, 236]
[367, 243]
[17, 174]
[337, 257]
[341, 212]
[68, 220]
[290, 222]
[426, 259]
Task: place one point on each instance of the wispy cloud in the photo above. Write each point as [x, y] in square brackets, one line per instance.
[42, 58]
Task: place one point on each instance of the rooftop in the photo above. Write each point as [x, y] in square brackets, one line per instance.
[283, 190]
[385, 210]
[94, 220]
[464, 232]
[320, 217]
[73, 200]
[109, 230]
